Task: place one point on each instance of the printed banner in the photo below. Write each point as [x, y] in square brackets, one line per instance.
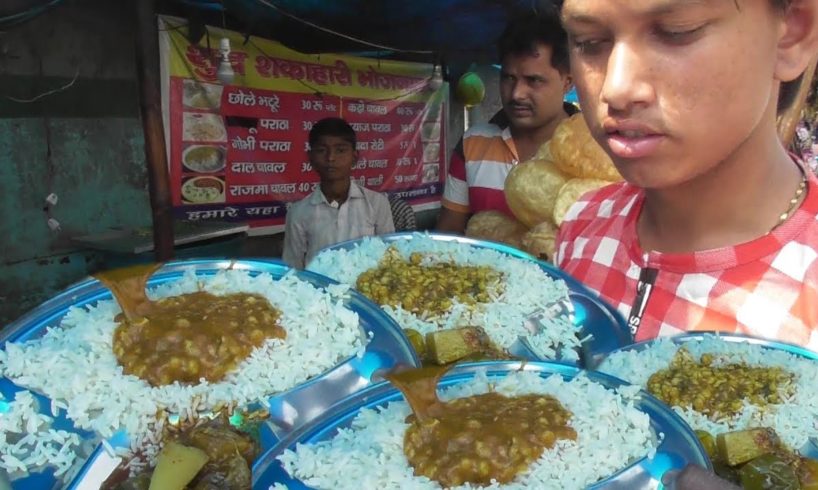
[238, 150]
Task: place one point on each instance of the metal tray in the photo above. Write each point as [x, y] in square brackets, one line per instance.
[810, 450]
[387, 347]
[679, 447]
[590, 314]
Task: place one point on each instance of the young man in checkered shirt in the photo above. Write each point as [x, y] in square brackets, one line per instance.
[716, 225]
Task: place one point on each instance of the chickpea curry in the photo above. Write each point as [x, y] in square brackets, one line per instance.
[427, 288]
[718, 390]
[187, 337]
[479, 438]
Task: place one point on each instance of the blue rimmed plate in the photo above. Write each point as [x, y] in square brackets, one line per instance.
[810, 449]
[678, 447]
[592, 316]
[387, 347]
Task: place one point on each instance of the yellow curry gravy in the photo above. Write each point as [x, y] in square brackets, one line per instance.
[187, 337]
[479, 438]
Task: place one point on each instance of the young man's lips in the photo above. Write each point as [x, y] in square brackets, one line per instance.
[631, 144]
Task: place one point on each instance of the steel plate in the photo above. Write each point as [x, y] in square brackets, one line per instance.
[387, 348]
[679, 447]
[589, 313]
[809, 450]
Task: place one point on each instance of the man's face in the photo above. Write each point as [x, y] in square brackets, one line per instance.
[671, 88]
[531, 89]
[333, 158]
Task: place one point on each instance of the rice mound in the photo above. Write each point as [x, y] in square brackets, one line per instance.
[526, 289]
[795, 420]
[28, 440]
[74, 364]
[611, 434]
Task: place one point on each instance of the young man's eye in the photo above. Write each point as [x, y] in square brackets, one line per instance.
[679, 35]
[588, 47]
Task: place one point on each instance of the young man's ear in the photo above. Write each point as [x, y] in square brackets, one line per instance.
[798, 44]
[568, 84]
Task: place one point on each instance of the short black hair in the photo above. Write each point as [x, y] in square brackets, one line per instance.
[332, 126]
[525, 30]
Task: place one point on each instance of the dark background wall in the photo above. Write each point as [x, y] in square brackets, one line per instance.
[84, 143]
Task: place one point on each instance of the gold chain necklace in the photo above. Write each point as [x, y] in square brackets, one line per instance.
[799, 192]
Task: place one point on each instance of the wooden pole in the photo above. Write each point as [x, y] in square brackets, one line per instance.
[150, 103]
[789, 119]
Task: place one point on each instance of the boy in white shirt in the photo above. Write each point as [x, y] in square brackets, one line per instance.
[339, 209]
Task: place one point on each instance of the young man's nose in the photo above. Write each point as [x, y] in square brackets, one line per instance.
[626, 79]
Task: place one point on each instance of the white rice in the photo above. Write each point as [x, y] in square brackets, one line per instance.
[611, 434]
[527, 289]
[795, 420]
[29, 442]
[74, 363]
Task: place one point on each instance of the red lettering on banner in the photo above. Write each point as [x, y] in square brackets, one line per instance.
[337, 74]
[385, 81]
[206, 62]
[260, 164]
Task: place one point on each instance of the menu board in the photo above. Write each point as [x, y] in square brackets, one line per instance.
[238, 151]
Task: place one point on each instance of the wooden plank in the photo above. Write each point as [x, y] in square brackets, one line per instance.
[150, 104]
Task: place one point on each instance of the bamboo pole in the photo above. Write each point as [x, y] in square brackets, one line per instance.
[789, 119]
[150, 103]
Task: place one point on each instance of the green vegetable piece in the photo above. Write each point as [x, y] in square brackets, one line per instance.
[176, 466]
[735, 448]
[416, 339]
[709, 444]
[446, 346]
[768, 472]
[808, 473]
[726, 472]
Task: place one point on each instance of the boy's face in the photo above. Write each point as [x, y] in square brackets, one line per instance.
[333, 158]
[531, 89]
[670, 88]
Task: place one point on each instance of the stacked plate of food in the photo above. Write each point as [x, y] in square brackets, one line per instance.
[459, 298]
[496, 424]
[95, 388]
[752, 402]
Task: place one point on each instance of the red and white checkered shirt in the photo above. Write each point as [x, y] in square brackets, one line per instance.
[767, 287]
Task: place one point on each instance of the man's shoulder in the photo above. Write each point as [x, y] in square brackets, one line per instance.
[302, 204]
[597, 215]
[372, 196]
[485, 130]
[610, 202]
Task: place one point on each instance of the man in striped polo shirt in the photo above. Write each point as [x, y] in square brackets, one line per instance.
[533, 82]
